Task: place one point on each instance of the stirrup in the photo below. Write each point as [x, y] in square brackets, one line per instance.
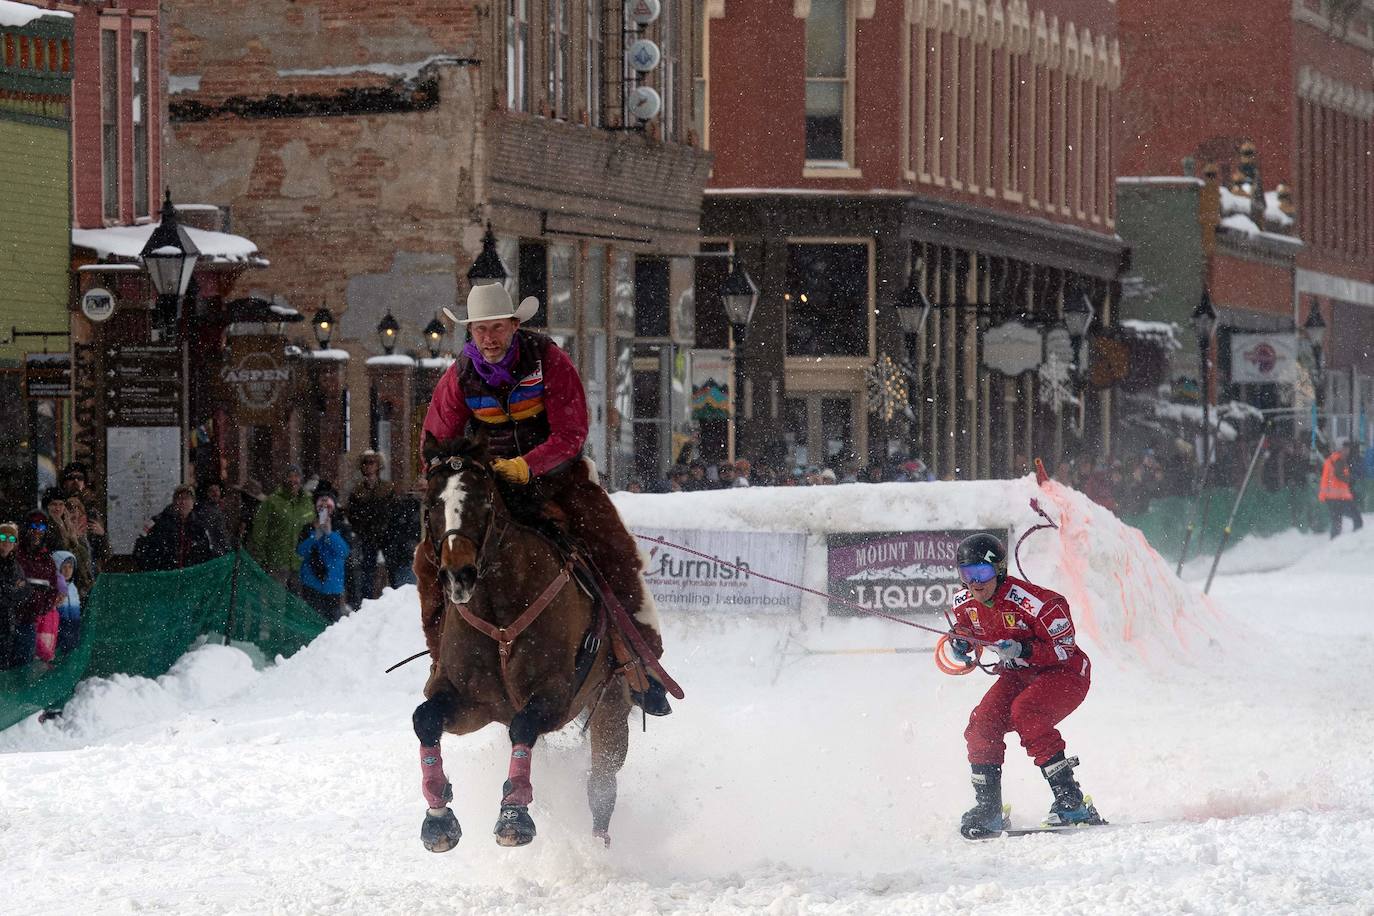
[653, 701]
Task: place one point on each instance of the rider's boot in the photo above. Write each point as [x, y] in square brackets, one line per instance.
[985, 818]
[654, 700]
[1070, 806]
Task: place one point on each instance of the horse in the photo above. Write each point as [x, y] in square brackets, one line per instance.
[521, 643]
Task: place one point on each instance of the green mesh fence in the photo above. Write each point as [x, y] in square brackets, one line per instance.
[1262, 512]
[141, 623]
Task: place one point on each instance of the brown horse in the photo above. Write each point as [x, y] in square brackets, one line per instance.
[520, 643]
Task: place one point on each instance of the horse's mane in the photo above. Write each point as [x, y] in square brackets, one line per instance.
[470, 447]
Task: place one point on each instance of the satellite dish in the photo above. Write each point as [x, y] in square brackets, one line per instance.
[643, 12]
[645, 103]
[644, 55]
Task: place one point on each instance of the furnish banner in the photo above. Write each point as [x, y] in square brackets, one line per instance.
[682, 581]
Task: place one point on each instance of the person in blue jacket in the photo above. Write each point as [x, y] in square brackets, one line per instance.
[323, 547]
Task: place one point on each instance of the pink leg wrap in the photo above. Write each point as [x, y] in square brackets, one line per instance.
[433, 782]
[518, 788]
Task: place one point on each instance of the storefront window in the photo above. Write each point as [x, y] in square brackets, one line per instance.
[623, 292]
[827, 300]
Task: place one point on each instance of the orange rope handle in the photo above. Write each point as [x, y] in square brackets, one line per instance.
[946, 662]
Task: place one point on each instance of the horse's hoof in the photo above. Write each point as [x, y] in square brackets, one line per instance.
[440, 832]
[604, 836]
[514, 827]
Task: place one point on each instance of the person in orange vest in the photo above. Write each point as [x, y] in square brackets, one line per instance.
[1335, 491]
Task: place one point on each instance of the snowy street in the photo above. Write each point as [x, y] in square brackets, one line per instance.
[1236, 774]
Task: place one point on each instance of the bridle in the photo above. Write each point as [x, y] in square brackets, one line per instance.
[456, 464]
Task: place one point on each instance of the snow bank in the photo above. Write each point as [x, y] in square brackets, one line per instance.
[1123, 593]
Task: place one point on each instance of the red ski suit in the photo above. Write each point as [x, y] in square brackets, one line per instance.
[1042, 688]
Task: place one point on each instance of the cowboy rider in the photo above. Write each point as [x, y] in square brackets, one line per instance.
[524, 392]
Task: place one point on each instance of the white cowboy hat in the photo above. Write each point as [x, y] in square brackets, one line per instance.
[490, 302]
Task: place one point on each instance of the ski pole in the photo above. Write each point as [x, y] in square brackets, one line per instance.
[1235, 507]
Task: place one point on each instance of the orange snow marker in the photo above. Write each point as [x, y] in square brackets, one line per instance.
[1041, 477]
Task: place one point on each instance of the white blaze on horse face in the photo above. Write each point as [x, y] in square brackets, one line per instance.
[453, 497]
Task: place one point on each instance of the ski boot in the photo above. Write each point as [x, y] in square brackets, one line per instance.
[1070, 807]
[653, 701]
[985, 819]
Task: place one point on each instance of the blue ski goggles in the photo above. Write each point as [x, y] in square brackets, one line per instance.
[977, 573]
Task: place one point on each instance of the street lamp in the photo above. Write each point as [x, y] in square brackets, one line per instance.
[1205, 325]
[1314, 329]
[1078, 315]
[740, 294]
[388, 329]
[323, 323]
[434, 336]
[170, 258]
[488, 267]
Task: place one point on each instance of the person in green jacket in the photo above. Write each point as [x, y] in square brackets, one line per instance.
[275, 528]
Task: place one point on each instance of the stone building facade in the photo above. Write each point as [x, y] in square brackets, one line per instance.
[368, 147]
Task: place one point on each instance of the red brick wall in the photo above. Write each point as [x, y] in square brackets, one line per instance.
[1252, 285]
[757, 102]
[1205, 72]
[86, 149]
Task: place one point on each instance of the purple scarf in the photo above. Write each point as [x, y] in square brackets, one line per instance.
[498, 374]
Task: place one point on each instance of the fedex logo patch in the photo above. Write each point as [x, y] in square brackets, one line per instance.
[1026, 602]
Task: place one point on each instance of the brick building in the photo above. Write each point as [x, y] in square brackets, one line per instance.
[35, 224]
[1294, 80]
[857, 139]
[367, 147]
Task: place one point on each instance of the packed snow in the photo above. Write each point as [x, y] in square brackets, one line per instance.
[1224, 738]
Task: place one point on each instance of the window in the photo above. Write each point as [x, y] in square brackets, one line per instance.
[827, 81]
[139, 69]
[109, 121]
[827, 299]
[668, 38]
[651, 298]
[518, 55]
[595, 61]
[701, 25]
[557, 56]
[533, 274]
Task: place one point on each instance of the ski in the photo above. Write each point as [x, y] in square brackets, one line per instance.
[1010, 831]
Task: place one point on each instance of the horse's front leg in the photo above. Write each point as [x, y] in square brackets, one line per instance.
[440, 831]
[515, 827]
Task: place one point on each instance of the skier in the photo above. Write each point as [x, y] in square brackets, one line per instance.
[1043, 678]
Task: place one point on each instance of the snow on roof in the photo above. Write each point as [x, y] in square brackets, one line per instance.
[1246, 226]
[1232, 202]
[1162, 332]
[394, 359]
[331, 355]
[1159, 179]
[407, 71]
[128, 241]
[284, 310]
[21, 14]
[441, 362]
[1189, 413]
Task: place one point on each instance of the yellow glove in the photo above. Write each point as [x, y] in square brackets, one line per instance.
[514, 470]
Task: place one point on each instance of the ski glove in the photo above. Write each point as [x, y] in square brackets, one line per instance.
[961, 649]
[1010, 653]
[514, 470]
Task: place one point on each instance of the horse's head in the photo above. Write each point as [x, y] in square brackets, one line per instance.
[460, 501]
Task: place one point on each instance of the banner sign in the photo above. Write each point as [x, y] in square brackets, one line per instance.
[712, 375]
[1260, 358]
[255, 378]
[896, 572]
[143, 466]
[682, 581]
[47, 376]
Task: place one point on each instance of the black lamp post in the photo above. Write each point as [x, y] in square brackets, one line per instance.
[1205, 325]
[323, 324]
[913, 308]
[434, 336]
[740, 294]
[170, 258]
[1314, 328]
[1078, 315]
[388, 330]
[488, 267]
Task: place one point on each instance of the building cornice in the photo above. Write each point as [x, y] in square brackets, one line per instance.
[1319, 20]
[1332, 93]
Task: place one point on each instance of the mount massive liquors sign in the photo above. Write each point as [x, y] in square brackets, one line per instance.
[896, 572]
[682, 581]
